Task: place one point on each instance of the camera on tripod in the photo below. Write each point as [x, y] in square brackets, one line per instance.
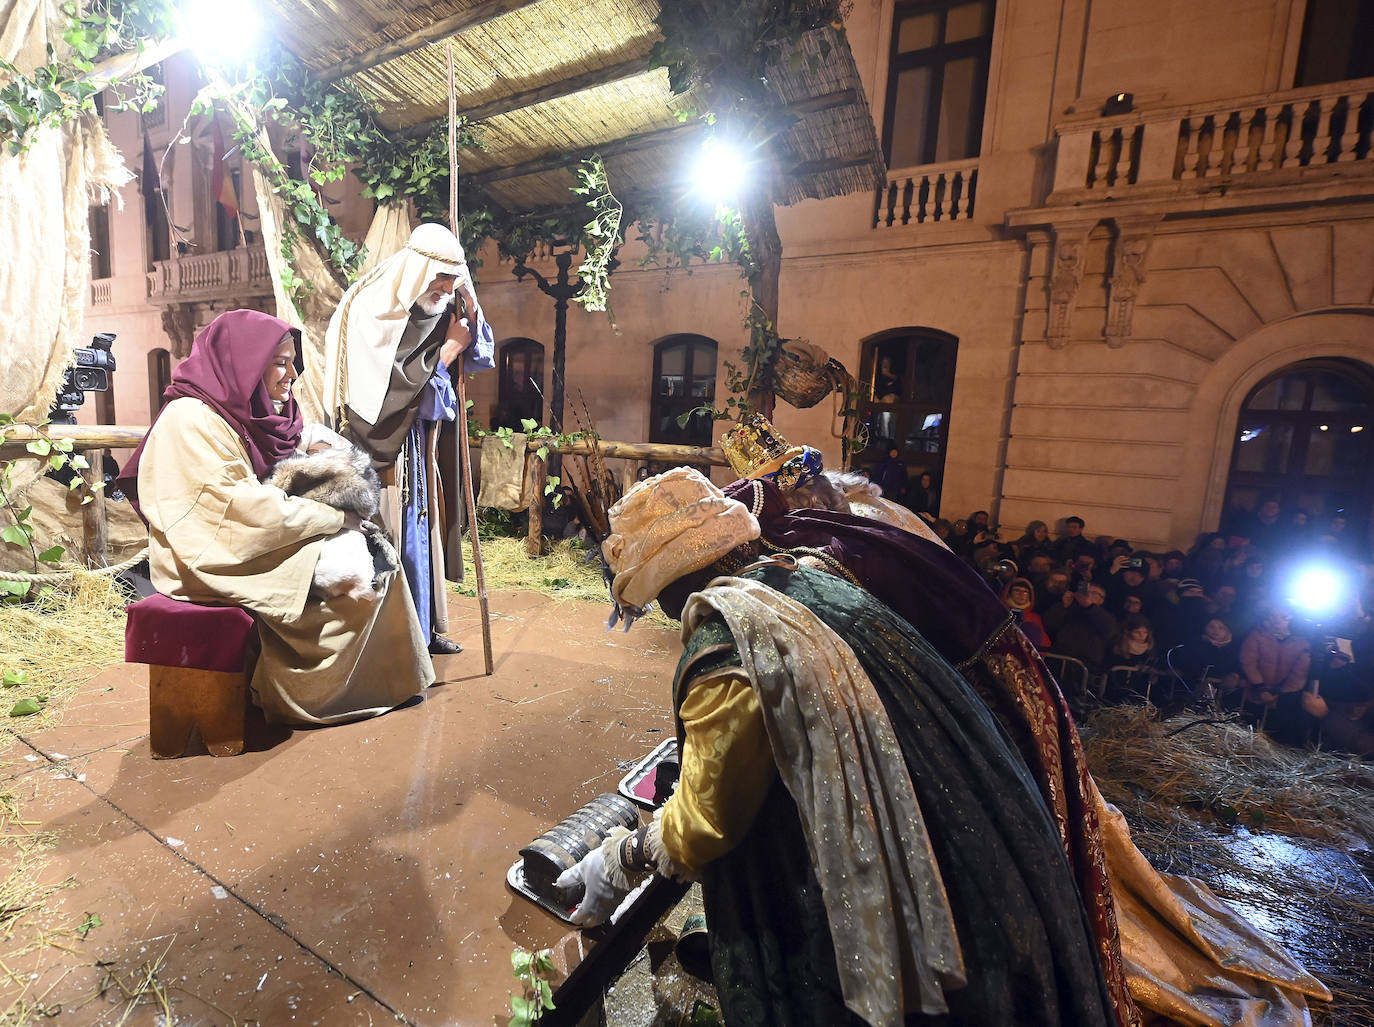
[91, 373]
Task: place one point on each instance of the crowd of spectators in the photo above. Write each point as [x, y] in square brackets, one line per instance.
[1221, 620]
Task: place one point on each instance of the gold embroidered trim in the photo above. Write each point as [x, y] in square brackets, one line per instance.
[825, 558]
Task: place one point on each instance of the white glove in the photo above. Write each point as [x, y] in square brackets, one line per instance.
[603, 879]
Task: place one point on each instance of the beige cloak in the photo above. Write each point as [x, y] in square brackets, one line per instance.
[218, 535]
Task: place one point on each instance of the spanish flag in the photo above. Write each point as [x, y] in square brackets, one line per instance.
[222, 183]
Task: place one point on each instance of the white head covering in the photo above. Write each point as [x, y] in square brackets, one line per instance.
[667, 526]
[371, 317]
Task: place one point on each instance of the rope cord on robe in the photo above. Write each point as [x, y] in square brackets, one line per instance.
[52, 577]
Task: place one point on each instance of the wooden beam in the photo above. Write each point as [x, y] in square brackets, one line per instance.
[134, 61]
[553, 91]
[104, 436]
[649, 140]
[818, 167]
[83, 437]
[615, 148]
[479, 14]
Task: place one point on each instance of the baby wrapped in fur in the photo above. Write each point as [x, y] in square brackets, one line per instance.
[351, 563]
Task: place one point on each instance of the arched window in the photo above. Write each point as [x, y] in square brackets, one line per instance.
[520, 382]
[684, 379]
[159, 377]
[905, 393]
[1305, 437]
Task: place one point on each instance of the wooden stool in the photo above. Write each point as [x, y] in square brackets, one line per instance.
[199, 661]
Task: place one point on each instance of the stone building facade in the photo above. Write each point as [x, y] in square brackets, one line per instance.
[1123, 268]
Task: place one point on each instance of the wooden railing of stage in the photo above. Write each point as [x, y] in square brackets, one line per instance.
[95, 533]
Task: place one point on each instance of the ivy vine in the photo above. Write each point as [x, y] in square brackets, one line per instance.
[57, 455]
[602, 235]
[63, 87]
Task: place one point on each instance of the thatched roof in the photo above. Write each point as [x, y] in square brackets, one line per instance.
[552, 81]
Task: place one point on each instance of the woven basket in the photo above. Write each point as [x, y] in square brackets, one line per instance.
[801, 374]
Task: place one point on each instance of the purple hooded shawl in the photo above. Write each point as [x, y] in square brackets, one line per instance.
[938, 594]
[225, 371]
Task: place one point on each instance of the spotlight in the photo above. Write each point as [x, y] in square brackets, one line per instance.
[218, 36]
[1317, 590]
[721, 172]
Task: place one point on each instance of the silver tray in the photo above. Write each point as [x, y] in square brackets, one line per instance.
[515, 877]
[643, 770]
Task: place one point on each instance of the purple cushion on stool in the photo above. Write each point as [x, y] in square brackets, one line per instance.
[174, 633]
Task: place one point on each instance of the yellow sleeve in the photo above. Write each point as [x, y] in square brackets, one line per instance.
[215, 531]
[727, 769]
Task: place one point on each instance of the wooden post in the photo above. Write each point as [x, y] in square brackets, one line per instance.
[537, 468]
[762, 232]
[95, 530]
[465, 452]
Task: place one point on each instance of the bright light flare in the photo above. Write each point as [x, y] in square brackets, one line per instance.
[221, 34]
[720, 172]
[1317, 590]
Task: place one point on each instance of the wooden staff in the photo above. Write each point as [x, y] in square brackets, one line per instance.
[466, 453]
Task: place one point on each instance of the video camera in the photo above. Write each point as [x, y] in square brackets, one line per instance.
[91, 373]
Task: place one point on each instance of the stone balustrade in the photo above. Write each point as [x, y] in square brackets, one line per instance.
[933, 193]
[102, 292]
[210, 275]
[1269, 139]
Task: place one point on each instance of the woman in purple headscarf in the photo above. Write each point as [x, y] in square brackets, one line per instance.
[218, 534]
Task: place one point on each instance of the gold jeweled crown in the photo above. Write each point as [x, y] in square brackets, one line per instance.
[755, 448]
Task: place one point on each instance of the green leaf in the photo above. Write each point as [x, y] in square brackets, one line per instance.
[52, 555]
[14, 678]
[529, 424]
[545, 991]
[63, 445]
[26, 707]
[17, 589]
[523, 1009]
[15, 535]
[542, 452]
[520, 961]
[39, 447]
[543, 962]
[91, 922]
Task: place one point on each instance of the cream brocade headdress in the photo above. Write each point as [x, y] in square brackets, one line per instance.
[368, 324]
[667, 526]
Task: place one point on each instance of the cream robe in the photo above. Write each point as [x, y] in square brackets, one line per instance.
[218, 535]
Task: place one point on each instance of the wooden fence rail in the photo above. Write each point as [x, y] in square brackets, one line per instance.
[85, 438]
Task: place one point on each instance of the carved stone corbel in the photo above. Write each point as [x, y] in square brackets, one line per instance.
[179, 322]
[1129, 254]
[1065, 276]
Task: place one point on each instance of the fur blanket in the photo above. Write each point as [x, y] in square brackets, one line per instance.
[351, 563]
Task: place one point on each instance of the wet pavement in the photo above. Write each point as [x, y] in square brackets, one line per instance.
[356, 874]
[352, 874]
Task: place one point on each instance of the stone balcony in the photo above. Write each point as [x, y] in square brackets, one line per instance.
[928, 194]
[1300, 145]
[229, 275]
